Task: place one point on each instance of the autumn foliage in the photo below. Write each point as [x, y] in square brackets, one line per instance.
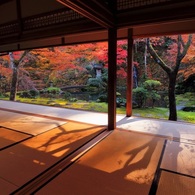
[66, 65]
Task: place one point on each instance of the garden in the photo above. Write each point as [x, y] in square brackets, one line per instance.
[76, 77]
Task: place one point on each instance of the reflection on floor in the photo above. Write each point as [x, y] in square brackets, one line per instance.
[180, 158]
[80, 158]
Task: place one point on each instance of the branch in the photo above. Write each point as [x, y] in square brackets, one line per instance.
[4, 53]
[181, 55]
[186, 46]
[24, 71]
[23, 55]
[15, 63]
[182, 42]
[12, 64]
[157, 58]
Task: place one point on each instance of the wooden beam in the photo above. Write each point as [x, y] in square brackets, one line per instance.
[112, 58]
[4, 53]
[4, 1]
[93, 10]
[129, 105]
[19, 17]
[177, 11]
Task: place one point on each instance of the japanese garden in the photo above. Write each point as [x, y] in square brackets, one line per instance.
[76, 77]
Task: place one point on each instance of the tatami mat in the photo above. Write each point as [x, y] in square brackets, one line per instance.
[171, 129]
[26, 123]
[175, 184]
[6, 188]
[24, 161]
[123, 163]
[179, 157]
[9, 137]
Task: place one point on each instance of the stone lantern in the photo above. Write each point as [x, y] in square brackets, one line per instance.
[98, 70]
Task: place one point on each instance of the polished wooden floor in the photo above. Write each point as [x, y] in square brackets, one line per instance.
[62, 156]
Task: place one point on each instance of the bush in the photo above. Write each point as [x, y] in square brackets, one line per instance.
[140, 95]
[3, 95]
[34, 93]
[66, 95]
[73, 99]
[52, 90]
[25, 94]
[29, 94]
[120, 102]
[152, 87]
[102, 98]
[189, 109]
[93, 82]
[92, 89]
[152, 84]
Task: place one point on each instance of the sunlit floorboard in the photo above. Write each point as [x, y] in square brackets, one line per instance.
[112, 166]
[173, 130]
[179, 157]
[27, 123]
[9, 137]
[24, 161]
[123, 163]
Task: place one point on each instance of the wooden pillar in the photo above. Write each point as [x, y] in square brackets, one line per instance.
[129, 105]
[112, 49]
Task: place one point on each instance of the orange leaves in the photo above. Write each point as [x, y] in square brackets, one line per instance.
[5, 71]
[121, 73]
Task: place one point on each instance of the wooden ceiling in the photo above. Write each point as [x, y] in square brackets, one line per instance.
[28, 24]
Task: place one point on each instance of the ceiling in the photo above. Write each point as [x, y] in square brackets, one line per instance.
[28, 24]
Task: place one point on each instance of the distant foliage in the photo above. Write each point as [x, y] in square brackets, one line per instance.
[152, 85]
[52, 90]
[149, 91]
[140, 95]
[29, 94]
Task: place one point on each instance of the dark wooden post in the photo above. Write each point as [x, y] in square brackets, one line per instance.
[112, 49]
[129, 92]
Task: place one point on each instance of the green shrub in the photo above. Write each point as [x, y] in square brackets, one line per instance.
[34, 93]
[3, 95]
[66, 95]
[120, 102]
[52, 90]
[152, 84]
[73, 99]
[102, 98]
[93, 82]
[140, 95]
[25, 94]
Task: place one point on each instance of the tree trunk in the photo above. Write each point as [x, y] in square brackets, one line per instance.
[14, 65]
[13, 89]
[145, 61]
[172, 99]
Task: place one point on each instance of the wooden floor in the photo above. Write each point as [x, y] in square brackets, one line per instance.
[30, 156]
[70, 157]
[123, 163]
